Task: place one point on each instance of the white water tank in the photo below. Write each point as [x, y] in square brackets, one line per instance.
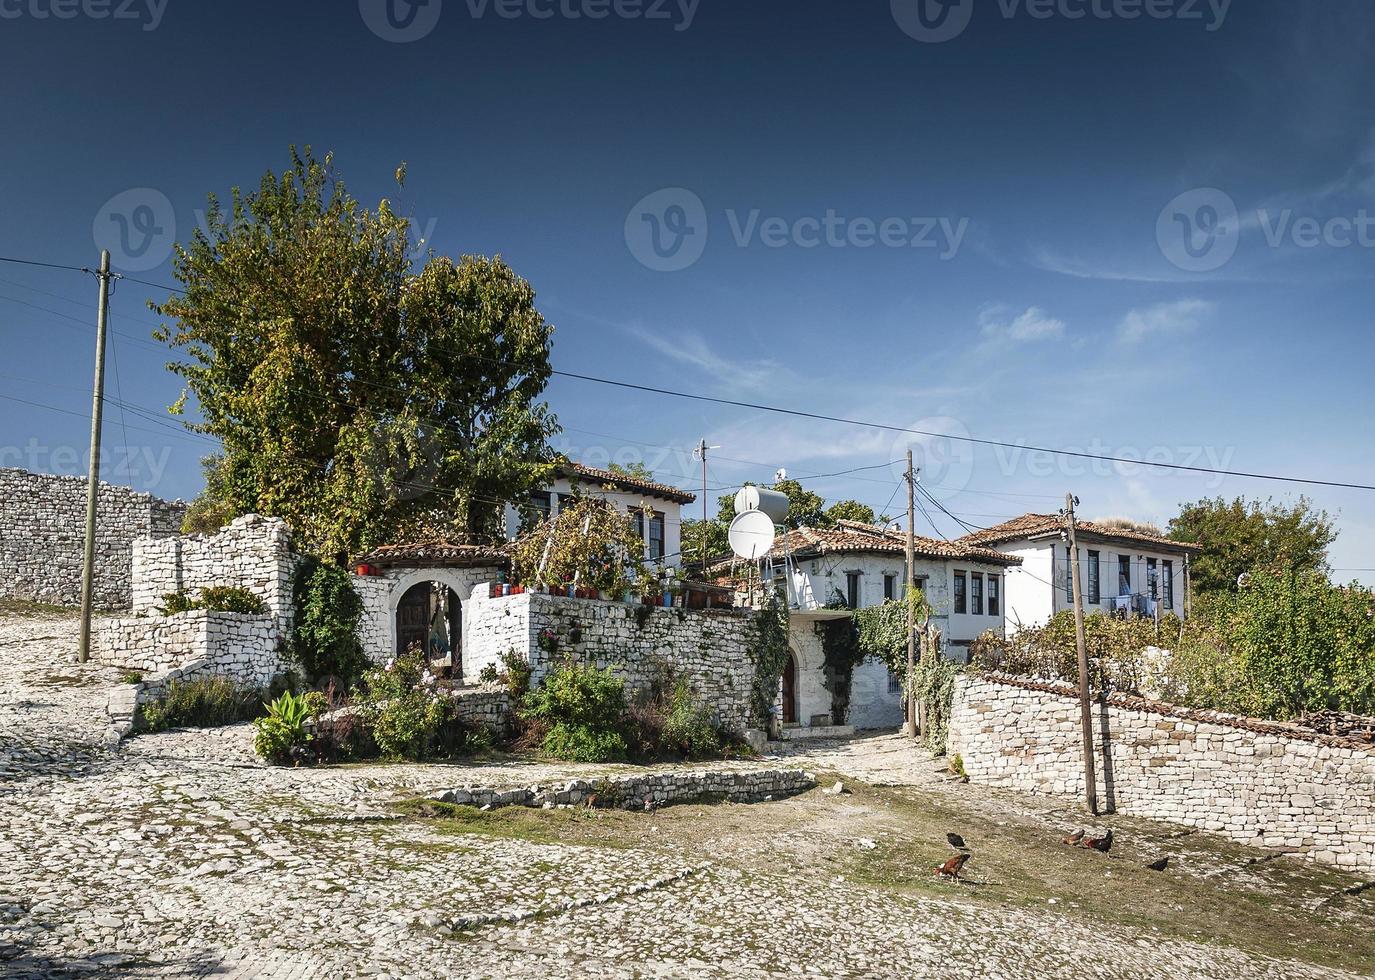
[771, 502]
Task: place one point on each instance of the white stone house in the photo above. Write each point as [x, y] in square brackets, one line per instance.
[1123, 570]
[856, 565]
[661, 532]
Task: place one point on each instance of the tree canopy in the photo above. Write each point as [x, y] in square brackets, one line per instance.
[1252, 536]
[356, 398]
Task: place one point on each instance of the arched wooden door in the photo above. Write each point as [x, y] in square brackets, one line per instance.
[790, 691]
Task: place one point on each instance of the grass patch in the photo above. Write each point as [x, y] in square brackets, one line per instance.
[26, 607]
[600, 828]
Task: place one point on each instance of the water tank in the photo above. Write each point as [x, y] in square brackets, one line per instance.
[771, 502]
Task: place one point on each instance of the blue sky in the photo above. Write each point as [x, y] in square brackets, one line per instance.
[1139, 236]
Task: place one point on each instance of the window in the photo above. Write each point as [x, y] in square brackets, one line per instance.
[890, 587]
[1124, 575]
[542, 503]
[656, 537]
[564, 500]
[1095, 589]
[994, 598]
[1069, 578]
[852, 589]
[894, 683]
[638, 516]
[959, 592]
[1169, 584]
[976, 593]
[1153, 577]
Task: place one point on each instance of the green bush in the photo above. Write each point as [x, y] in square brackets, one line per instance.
[280, 735]
[209, 702]
[325, 631]
[689, 729]
[405, 711]
[215, 598]
[585, 709]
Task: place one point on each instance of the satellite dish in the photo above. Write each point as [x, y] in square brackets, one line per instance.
[751, 535]
[771, 502]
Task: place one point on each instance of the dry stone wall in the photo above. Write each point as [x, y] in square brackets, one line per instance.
[713, 648]
[232, 644]
[642, 791]
[1261, 783]
[252, 553]
[43, 537]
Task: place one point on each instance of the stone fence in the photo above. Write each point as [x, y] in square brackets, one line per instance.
[238, 645]
[641, 791]
[252, 553]
[43, 537]
[713, 648]
[1262, 783]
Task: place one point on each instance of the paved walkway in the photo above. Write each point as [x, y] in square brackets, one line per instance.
[178, 855]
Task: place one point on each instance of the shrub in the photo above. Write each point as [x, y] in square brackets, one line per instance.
[516, 672]
[280, 736]
[325, 631]
[405, 711]
[584, 708]
[209, 702]
[215, 598]
[689, 729]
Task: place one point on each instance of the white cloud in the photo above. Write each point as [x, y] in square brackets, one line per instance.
[1032, 325]
[691, 349]
[1162, 320]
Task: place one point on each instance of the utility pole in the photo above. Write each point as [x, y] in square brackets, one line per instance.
[912, 724]
[1085, 713]
[701, 450]
[93, 483]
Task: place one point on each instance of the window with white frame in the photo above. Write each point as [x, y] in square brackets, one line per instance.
[976, 593]
[994, 595]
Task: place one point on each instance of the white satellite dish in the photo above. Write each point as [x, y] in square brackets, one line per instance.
[771, 502]
[751, 535]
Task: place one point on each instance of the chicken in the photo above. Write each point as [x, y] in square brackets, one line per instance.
[951, 869]
[1159, 864]
[1103, 843]
[1072, 839]
[591, 801]
[956, 841]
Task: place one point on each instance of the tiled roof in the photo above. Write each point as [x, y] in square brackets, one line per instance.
[1032, 526]
[440, 553]
[623, 482]
[857, 538]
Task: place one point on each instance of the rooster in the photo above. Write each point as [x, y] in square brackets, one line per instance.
[951, 869]
[1072, 839]
[1159, 864]
[1103, 843]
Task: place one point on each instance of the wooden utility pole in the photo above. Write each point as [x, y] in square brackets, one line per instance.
[1085, 712]
[912, 723]
[93, 481]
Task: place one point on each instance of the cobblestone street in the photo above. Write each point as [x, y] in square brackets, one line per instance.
[179, 855]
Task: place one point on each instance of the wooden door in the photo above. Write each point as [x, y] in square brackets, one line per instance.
[790, 692]
[413, 618]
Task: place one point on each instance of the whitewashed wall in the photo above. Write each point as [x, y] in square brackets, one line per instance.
[381, 594]
[238, 645]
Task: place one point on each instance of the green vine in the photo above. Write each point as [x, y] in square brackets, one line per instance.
[770, 655]
[841, 654]
[935, 689]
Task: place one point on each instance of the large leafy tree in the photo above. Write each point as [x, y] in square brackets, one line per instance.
[851, 510]
[357, 399]
[1252, 536]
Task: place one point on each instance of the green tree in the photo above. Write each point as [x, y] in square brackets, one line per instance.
[358, 400]
[851, 510]
[1252, 536]
[211, 510]
[805, 508]
[714, 535]
[636, 470]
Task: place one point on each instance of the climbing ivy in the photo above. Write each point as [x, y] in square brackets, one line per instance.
[841, 655]
[770, 655]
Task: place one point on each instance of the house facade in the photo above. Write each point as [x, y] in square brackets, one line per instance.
[1124, 571]
[854, 565]
[661, 529]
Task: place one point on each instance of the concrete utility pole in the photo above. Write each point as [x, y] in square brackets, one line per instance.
[1085, 713]
[701, 450]
[912, 726]
[93, 484]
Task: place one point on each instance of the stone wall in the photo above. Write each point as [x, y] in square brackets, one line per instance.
[232, 644]
[633, 792]
[382, 593]
[252, 553]
[43, 537]
[1262, 783]
[713, 648]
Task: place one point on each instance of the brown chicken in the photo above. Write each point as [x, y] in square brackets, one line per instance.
[953, 867]
[1073, 838]
[1103, 843]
